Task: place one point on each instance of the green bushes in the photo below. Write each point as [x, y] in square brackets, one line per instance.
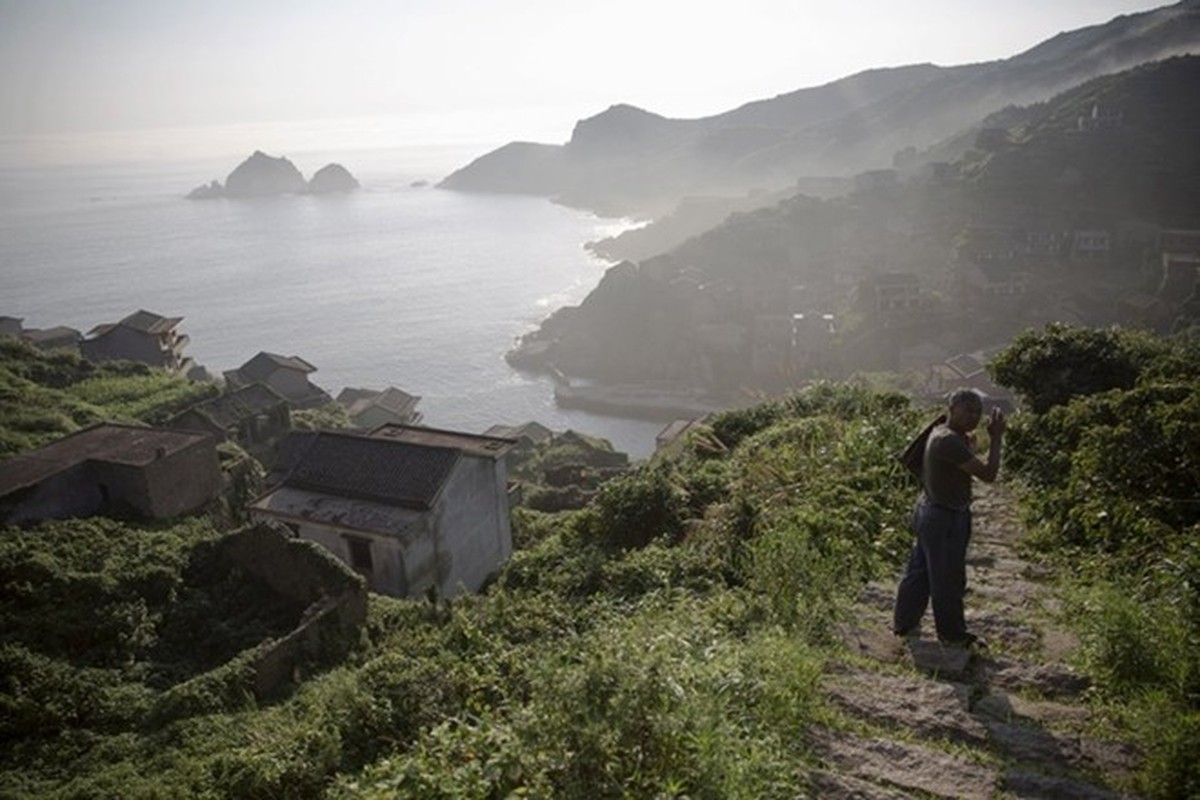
[656, 699]
[635, 509]
[45, 396]
[153, 398]
[1110, 461]
[661, 642]
[1051, 366]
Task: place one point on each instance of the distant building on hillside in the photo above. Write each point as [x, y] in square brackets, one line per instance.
[1100, 118]
[532, 432]
[256, 417]
[1092, 245]
[142, 336]
[370, 408]
[965, 370]
[119, 470]
[287, 375]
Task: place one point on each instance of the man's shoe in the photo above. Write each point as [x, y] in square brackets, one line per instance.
[968, 642]
[908, 633]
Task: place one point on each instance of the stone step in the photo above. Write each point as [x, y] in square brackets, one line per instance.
[906, 766]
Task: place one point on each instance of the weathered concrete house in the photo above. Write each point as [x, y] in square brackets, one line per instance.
[11, 326]
[152, 473]
[287, 375]
[255, 417]
[370, 408]
[411, 509]
[142, 336]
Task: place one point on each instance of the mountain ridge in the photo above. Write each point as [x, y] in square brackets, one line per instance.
[628, 160]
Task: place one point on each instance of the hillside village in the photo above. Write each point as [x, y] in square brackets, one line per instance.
[415, 510]
[1081, 210]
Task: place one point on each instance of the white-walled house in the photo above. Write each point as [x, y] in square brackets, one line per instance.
[411, 509]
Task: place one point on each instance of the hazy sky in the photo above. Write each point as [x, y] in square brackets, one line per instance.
[81, 65]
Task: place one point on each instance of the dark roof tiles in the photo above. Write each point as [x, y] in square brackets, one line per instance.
[112, 444]
[349, 465]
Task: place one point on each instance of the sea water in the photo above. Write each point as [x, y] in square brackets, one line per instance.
[394, 285]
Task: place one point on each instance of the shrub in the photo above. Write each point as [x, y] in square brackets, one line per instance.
[635, 509]
[1051, 366]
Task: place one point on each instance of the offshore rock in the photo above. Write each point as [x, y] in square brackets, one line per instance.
[332, 178]
[260, 174]
[207, 191]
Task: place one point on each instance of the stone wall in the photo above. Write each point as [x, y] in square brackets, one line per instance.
[334, 597]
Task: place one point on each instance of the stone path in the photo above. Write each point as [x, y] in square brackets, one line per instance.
[922, 720]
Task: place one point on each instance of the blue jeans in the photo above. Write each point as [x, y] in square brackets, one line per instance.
[937, 571]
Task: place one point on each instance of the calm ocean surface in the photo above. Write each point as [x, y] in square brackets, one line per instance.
[413, 287]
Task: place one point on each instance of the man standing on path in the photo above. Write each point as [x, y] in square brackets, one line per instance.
[937, 567]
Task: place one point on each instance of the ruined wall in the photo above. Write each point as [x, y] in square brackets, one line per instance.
[183, 481]
[335, 601]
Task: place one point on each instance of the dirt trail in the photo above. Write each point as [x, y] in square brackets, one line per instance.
[1007, 722]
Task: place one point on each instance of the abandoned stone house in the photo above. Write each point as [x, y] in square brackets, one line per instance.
[119, 470]
[370, 408]
[412, 509]
[526, 438]
[287, 375]
[256, 417]
[142, 336]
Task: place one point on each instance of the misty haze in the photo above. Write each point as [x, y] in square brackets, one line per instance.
[461, 400]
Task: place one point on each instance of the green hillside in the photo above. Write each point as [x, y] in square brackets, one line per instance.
[47, 395]
[667, 640]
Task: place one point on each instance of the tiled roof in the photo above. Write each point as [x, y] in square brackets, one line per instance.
[150, 322]
[470, 443]
[231, 408]
[349, 465]
[101, 329]
[966, 364]
[349, 395]
[264, 364]
[114, 444]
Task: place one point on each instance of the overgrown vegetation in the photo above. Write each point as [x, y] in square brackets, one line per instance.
[1111, 463]
[46, 395]
[665, 640]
